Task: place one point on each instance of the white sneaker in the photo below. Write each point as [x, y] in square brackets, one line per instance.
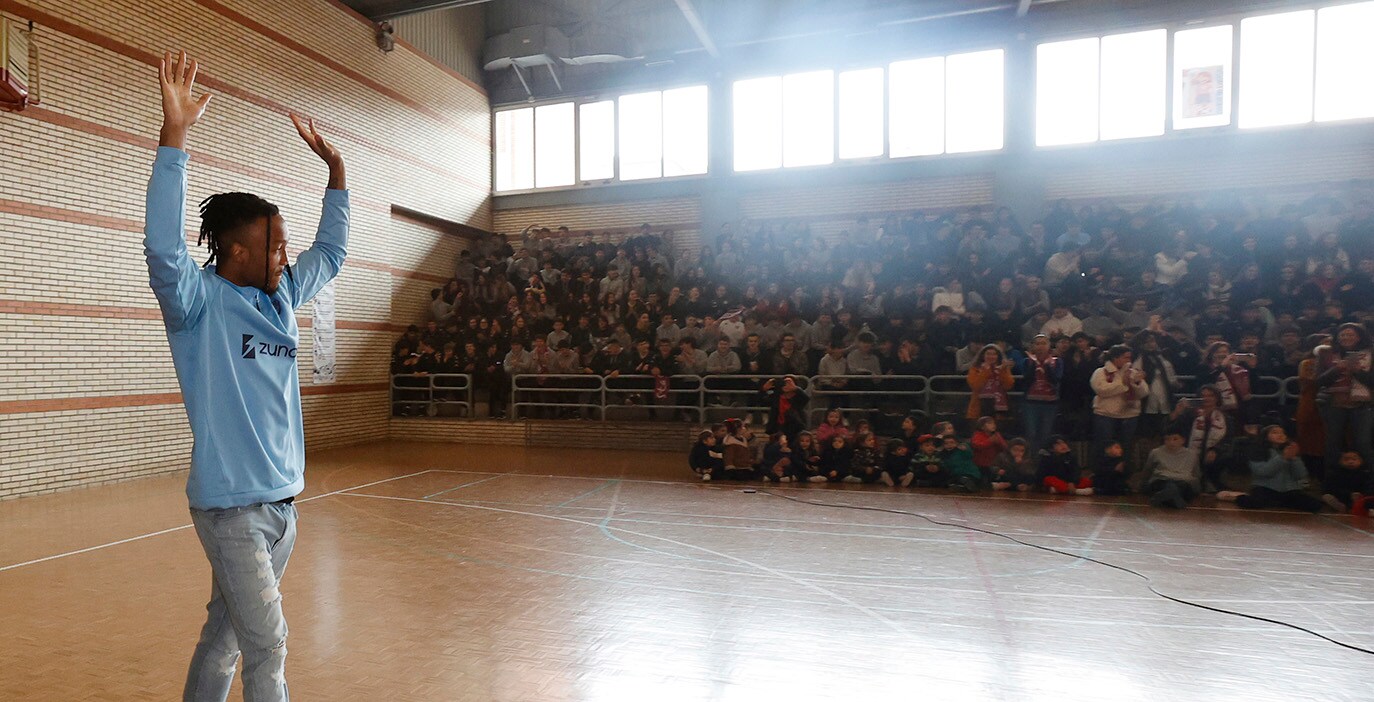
[785, 479]
[887, 479]
[1333, 503]
[705, 477]
[1083, 491]
[816, 479]
[852, 479]
[1001, 486]
[906, 479]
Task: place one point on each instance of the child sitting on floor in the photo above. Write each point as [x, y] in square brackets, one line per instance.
[1014, 468]
[776, 466]
[704, 459]
[926, 464]
[1172, 474]
[896, 464]
[1277, 474]
[1347, 485]
[866, 466]
[1111, 476]
[835, 459]
[832, 426]
[957, 459]
[1059, 471]
[806, 458]
[988, 444]
[739, 457]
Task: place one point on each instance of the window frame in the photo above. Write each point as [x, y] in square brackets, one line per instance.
[614, 97]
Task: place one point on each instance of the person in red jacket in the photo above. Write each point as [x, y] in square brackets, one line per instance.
[987, 445]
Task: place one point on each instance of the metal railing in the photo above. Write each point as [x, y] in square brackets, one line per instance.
[714, 397]
[561, 394]
[430, 393]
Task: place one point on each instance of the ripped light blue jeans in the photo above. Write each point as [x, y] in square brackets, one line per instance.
[248, 548]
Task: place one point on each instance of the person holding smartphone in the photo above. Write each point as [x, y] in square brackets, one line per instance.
[1344, 379]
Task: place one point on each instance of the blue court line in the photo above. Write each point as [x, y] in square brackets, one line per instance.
[459, 487]
[590, 492]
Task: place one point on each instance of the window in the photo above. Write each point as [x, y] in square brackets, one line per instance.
[684, 128]
[1276, 53]
[808, 118]
[1086, 89]
[596, 140]
[554, 160]
[1345, 52]
[973, 102]
[641, 136]
[861, 113]
[1134, 71]
[916, 107]
[1066, 83]
[515, 149]
[758, 123]
[1202, 77]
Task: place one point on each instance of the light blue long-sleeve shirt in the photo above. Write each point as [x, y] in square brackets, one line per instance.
[234, 349]
[1278, 473]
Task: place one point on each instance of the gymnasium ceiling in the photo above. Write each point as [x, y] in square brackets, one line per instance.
[679, 40]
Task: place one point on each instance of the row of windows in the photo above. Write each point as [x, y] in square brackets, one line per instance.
[1297, 67]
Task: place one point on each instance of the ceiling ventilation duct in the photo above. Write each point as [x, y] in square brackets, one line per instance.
[525, 48]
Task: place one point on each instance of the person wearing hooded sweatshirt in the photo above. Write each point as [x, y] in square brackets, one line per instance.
[1344, 383]
[1278, 477]
[1116, 407]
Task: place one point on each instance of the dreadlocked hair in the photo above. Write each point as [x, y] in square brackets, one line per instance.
[226, 212]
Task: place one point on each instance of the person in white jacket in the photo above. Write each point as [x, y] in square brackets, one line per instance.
[1063, 323]
[1171, 265]
[1118, 390]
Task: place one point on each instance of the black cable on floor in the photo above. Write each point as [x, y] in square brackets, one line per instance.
[1148, 582]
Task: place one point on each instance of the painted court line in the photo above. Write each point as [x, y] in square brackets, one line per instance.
[468, 484]
[742, 561]
[150, 535]
[593, 491]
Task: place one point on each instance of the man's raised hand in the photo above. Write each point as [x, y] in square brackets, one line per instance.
[180, 110]
[323, 149]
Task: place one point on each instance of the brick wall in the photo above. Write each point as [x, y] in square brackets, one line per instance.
[87, 392]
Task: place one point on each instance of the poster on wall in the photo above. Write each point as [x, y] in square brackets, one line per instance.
[1203, 89]
[322, 329]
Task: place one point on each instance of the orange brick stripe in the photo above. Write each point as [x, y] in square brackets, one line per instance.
[58, 214]
[401, 42]
[323, 60]
[69, 309]
[56, 23]
[70, 404]
[81, 125]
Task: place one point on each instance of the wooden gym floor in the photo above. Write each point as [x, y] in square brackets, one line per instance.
[442, 572]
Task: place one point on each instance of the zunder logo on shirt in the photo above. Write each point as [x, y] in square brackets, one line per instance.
[251, 350]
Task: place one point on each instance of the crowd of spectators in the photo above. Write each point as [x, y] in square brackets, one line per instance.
[1095, 324]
